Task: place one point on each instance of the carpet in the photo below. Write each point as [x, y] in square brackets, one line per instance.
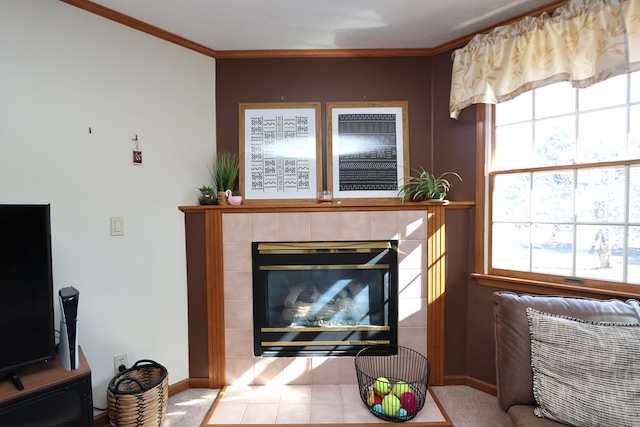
[468, 407]
[189, 408]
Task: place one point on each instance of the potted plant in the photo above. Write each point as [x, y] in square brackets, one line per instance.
[207, 195]
[225, 168]
[425, 186]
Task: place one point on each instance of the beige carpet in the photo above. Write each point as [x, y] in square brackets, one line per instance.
[189, 408]
[468, 407]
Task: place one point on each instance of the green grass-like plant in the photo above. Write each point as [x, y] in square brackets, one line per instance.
[225, 168]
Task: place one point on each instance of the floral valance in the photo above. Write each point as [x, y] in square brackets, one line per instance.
[584, 42]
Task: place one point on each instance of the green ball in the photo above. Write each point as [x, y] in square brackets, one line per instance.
[391, 405]
[400, 387]
[382, 385]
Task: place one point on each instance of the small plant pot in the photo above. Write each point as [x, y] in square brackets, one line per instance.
[233, 200]
[222, 198]
[207, 199]
[437, 196]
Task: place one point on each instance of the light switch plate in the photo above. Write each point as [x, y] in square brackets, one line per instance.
[117, 226]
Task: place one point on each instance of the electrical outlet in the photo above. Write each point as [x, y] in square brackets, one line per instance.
[119, 360]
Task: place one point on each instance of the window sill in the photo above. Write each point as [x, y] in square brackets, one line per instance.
[548, 288]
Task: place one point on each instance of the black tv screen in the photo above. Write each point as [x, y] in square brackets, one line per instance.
[26, 288]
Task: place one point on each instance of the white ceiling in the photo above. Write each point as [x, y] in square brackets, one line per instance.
[322, 24]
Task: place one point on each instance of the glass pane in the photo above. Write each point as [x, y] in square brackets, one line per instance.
[635, 86]
[512, 197]
[516, 110]
[555, 141]
[510, 246]
[634, 194]
[599, 252]
[513, 146]
[634, 132]
[600, 195]
[602, 135]
[633, 258]
[555, 99]
[552, 249]
[610, 92]
[552, 196]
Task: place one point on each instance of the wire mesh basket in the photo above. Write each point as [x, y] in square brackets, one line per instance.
[138, 396]
[392, 381]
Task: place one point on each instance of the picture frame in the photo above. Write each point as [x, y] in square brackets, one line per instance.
[367, 148]
[280, 150]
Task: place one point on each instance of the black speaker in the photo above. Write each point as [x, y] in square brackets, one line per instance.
[68, 349]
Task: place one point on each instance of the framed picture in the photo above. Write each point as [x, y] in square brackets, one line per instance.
[280, 150]
[367, 148]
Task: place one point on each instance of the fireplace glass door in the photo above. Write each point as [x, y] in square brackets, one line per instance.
[324, 298]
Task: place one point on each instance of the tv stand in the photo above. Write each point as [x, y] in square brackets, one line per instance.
[50, 396]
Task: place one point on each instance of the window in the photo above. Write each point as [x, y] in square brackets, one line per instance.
[564, 185]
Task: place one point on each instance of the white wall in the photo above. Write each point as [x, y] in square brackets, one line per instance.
[63, 71]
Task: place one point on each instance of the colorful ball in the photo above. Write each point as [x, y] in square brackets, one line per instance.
[402, 413]
[377, 400]
[409, 401]
[382, 385]
[391, 405]
[400, 387]
[378, 409]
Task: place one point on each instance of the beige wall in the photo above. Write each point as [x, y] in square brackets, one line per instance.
[63, 71]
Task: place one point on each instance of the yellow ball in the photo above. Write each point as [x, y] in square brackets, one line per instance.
[391, 405]
[382, 385]
[400, 387]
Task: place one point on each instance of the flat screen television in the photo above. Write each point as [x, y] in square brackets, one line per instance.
[27, 332]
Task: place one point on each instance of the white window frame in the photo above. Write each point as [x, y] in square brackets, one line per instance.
[518, 280]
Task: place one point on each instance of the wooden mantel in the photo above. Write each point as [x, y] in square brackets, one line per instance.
[205, 279]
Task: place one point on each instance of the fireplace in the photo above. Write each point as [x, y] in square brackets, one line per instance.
[324, 298]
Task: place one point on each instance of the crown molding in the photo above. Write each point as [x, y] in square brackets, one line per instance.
[128, 21]
[454, 44]
[136, 24]
[320, 53]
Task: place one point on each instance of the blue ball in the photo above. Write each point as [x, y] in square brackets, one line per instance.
[377, 408]
[402, 413]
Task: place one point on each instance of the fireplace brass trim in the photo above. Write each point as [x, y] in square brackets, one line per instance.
[319, 247]
[324, 267]
[321, 343]
[328, 329]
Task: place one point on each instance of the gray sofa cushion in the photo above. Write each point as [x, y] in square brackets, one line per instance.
[513, 342]
[585, 373]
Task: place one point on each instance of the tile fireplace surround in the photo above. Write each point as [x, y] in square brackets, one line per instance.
[219, 281]
[240, 230]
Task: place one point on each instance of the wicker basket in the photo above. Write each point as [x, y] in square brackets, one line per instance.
[392, 381]
[139, 395]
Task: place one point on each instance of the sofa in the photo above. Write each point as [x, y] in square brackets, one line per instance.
[519, 317]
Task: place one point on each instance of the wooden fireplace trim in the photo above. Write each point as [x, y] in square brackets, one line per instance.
[209, 284]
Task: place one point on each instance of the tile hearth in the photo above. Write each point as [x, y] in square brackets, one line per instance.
[328, 405]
